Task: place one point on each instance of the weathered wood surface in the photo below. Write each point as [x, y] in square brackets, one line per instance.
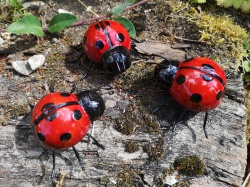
[24, 163]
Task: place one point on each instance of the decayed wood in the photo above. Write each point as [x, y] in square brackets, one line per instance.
[24, 163]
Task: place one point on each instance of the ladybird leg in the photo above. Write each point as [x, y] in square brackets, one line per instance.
[53, 167]
[96, 141]
[78, 158]
[179, 119]
[205, 123]
[52, 87]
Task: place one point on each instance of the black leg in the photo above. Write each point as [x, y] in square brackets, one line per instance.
[205, 123]
[78, 158]
[96, 142]
[179, 119]
[53, 167]
[155, 110]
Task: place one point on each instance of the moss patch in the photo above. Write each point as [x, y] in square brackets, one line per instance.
[154, 150]
[131, 146]
[136, 119]
[189, 165]
[14, 110]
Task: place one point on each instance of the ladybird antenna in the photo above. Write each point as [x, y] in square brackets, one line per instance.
[98, 144]
[205, 123]
[53, 166]
[83, 77]
[78, 158]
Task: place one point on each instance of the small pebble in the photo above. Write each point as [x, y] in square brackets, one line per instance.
[31, 4]
[36, 61]
[26, 67]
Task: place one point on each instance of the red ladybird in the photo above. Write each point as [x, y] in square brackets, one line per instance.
[108, 42]
[197, 84]
[61, 120]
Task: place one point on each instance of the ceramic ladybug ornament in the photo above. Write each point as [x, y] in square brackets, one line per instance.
[197, 84]
[108, 43]
[60, 120]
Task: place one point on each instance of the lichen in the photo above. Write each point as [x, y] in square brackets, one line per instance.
[189, 165]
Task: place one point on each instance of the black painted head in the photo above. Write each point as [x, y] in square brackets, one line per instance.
[165, 73]
[116, 59]
[92, 103]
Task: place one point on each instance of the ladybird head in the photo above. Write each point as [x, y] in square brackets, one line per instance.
[92, 103]
[165, 73]
[116, 59]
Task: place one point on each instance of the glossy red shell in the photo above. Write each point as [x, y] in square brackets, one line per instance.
[62, 128]
[105, 31]
[195, 89]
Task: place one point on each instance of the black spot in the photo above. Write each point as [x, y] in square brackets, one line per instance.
[180, 79]
[99, 45]
[196, 98]
[77, 114]
[120, 37]
[48, 105]
[206, 77]
[219, 95]
[51, 117]
[84, 40]
[107, 23]
[207, 66]
[64, 94]
[65, 137]
[97, 26]
[41, 136]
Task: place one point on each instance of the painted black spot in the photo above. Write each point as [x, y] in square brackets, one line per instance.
[207, 66]
[65, 137]
[51, 117]
[206, 77]
[64, 94]
[196, 98]
[77, 114]
[84, 41]
[99, 45]
[219, 95]
[107, 23]
[180, 79]
[48, 105]
[41, 136]
[120, 37]
[97, 26]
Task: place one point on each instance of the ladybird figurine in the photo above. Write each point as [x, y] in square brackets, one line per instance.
[197, 84]
[108, 42]
[60, 120]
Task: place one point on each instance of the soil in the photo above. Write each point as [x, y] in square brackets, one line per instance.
[161, 23]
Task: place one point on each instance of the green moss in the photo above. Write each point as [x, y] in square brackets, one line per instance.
[189, 165]
[136, 119]
[128, 178]
[15, 110]
[131, 146]
[154, 150]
